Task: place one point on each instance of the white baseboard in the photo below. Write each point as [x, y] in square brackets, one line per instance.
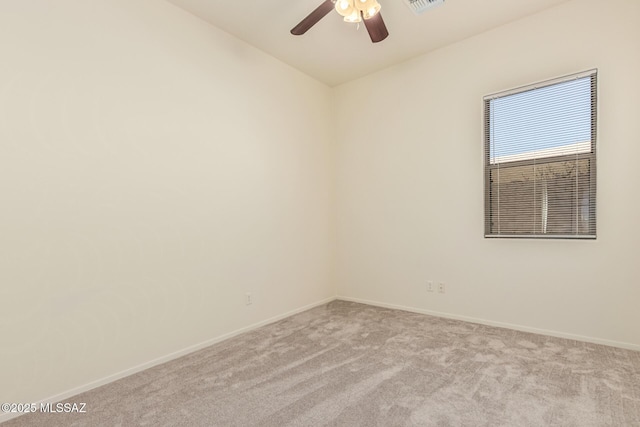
[163, 359]
[582, 338]
[127, 372]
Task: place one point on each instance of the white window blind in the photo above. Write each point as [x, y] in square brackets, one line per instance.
[540, 159]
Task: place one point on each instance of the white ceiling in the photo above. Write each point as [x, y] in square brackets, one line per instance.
[335, 52]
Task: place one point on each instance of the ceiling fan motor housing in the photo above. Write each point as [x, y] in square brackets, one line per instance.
[419, 6]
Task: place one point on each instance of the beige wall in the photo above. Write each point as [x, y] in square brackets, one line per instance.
[410, 199]
[153, 169]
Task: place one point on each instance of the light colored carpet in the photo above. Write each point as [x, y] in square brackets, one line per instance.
[347, 364]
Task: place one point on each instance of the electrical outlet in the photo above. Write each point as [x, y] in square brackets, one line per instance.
[248, 298]
[441, 288]
[429, 286]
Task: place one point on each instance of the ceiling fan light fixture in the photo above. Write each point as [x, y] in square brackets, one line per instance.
[375, 24]
[363, 5]
[345, 7]
[354, 18]
[372, 10]
[354, 10]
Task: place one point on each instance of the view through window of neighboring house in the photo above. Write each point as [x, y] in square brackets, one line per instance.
[540, 159]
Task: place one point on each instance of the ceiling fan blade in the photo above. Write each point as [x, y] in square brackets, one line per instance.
[376, 28]
[313, 18]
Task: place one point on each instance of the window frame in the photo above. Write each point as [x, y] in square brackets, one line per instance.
[590, 156]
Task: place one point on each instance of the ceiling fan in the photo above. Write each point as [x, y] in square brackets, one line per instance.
[352, 11]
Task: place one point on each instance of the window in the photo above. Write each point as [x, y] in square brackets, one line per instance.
[540, 159]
